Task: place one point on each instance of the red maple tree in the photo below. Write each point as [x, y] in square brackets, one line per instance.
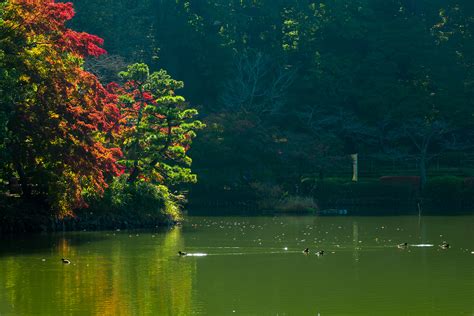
[62, 116]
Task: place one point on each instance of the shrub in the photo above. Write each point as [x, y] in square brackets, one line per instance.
[297, 204]
[268, 195]
[138, 204]
[272, 197]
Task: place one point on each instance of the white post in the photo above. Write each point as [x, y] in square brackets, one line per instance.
[355, 167]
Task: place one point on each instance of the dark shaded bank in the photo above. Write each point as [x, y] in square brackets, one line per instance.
[17, 216]
[441, 196]
[349, 211]
[122, 206]
[333, 197]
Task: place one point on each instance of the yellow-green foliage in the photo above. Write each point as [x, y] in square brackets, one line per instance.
[139, 202]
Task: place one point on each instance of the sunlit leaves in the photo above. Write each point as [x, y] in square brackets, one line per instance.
[157, 127]
[137, 73]
[60, 114]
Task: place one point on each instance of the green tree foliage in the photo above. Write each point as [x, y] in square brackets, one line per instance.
[158, 127]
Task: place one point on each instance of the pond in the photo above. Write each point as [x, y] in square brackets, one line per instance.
[247, 266]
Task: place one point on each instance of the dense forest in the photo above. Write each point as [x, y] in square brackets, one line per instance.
[287, 90]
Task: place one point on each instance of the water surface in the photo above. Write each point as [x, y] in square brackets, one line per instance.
[247, 266]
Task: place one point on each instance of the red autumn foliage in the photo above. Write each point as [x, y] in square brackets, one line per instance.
[147, 96]
[71, 113]
[48, 17]
[83, 44]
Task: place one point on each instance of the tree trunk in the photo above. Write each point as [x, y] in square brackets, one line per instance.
[423, 176]
[136, 171]
[134, 175]
[25, 188]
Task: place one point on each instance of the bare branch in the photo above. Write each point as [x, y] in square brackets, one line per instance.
[106, 67]
[259, 85]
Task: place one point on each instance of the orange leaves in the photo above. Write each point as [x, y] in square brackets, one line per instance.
[46, 19]
[42, 16]
[65, 113]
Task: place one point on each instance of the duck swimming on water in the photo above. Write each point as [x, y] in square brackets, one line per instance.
[65, 261]
[444, 245]
[306, 251]
[320, 253]
[182, 254]
[402, 246]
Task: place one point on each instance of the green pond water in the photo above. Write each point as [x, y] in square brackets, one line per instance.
[246, 266]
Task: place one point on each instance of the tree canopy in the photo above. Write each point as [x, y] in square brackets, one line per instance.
[64, 134]
[294, 70]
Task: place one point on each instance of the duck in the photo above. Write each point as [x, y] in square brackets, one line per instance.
[320, 253]
[402, 246]
[306, 251]
[444, 245]
[65, 261]
[182, 254]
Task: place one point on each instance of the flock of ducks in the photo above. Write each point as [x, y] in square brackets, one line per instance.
[404, 245]
[444, 245]
[318, 253]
